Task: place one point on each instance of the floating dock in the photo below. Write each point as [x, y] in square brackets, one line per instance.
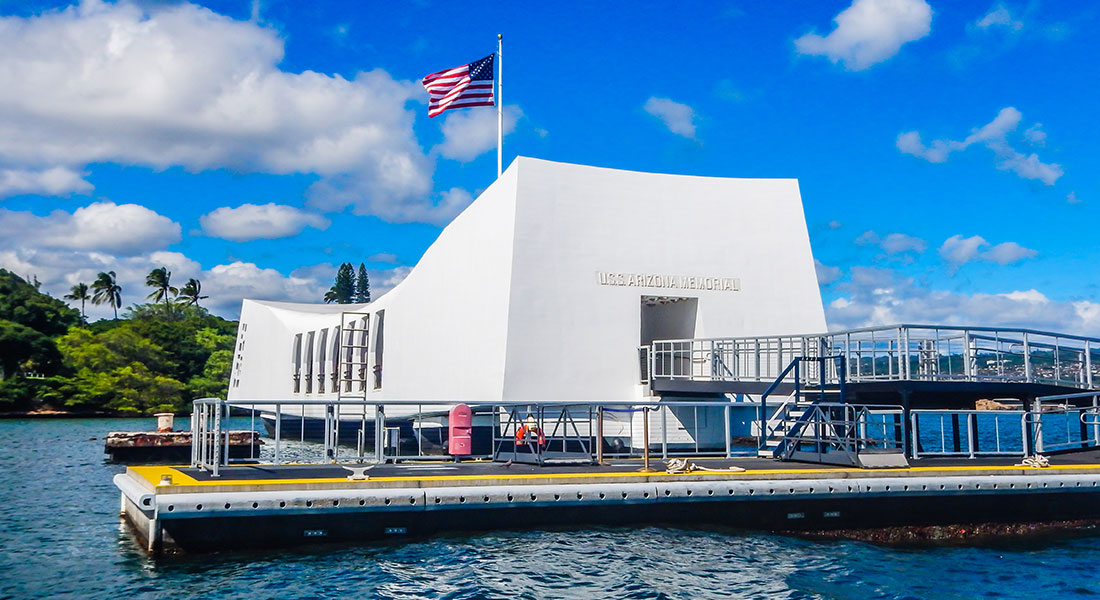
[168, 447]
[182, 509]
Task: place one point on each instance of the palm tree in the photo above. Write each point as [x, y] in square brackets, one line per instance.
[189, 293]
[80, 292]
[330, 296]
[158, 280]
[107, 290]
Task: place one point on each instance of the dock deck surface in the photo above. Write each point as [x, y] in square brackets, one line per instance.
[436, 473]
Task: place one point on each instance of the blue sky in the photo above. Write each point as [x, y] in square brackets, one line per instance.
[945, 151]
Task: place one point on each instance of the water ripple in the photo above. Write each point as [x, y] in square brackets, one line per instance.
[61, 538]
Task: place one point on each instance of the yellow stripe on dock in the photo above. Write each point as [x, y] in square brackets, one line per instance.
[154, 474]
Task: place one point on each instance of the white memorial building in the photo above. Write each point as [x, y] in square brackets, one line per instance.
[544, 288]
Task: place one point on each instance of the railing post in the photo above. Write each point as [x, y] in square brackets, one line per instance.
[1025, 431]
[1027, 360]
[756, 352]
[599, 436]
[380, 430]
[1088, 364]
[971, 433]
[1095, 425]
[1038, 412]
[278, 429]
[968, 356]
[726, 422]
[905, 339]
[848, 350]
[217, 439]
[761, 424]
[194, 435]
[664, 433]
[645, 442]
[914, 450]
[223, 434]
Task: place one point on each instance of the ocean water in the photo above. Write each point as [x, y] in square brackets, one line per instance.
[60, 537]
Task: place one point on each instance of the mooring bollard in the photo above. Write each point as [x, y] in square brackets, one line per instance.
[165, 422]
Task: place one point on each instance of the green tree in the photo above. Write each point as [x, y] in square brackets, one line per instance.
[24, 350]
[106, 289]
[343, 290]
[362, 285]
[132, 388]
[21, 302]
[214, 380]
[190, 293]
[160, 281]
[118, 347]
[80, 292]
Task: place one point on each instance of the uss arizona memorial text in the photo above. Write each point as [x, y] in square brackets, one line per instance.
[685, 282]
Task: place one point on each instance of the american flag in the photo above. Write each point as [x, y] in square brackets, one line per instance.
[468, 85]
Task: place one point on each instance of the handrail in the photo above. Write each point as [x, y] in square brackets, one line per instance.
[895, 353]
[209, 416]
[846, 434]
[877, 328]
[784, 408]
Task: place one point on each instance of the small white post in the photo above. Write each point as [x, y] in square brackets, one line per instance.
[500, 107]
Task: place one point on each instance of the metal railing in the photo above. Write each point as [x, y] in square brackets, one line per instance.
[968, 433]
[831, 432]
[563, 423]
[890, 353]
[1065, 422]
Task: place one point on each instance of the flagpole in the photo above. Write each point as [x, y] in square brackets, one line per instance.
[500, 107]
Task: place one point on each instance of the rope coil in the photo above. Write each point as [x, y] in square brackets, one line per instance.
[1035, 462]
[679, 466]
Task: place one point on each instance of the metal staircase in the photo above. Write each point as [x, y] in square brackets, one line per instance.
[785, 419]
[817, 424]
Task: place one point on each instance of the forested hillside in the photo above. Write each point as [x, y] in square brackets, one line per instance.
[157, 357]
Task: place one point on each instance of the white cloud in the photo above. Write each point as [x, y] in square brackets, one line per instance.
[882, 297]
[958, 250]
[226, 284]
[1072, 198]
[1029, 166]
[337, 194]
[264, 221]
[825, 273]
[1007, 253]
[835, 225]
[56, 181]
[999, 17]
[468, 134]
[177, 84]
[894, 243]
[869, 32]
[993, 135]
[124, 229]
[1036, 135]
[383, 257]
[679, 118]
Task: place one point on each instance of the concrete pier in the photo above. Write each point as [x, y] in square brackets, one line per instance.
[176, 509]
